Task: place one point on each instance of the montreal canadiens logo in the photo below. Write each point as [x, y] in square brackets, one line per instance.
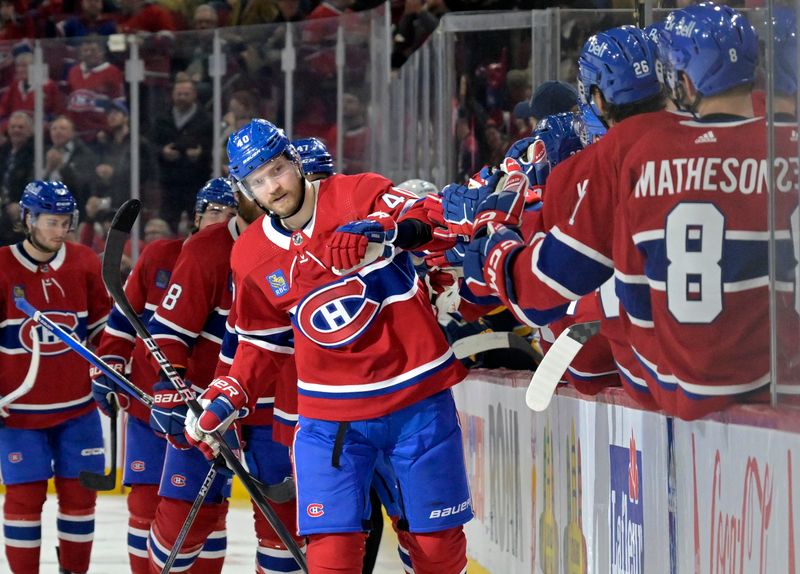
[15, 457]
[315, 510]
[178, 480]
[337, 314]
[137, 466]
[49, 344]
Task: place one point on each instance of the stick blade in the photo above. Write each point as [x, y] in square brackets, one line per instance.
[555, 363]
[93, 481]
[126, 216]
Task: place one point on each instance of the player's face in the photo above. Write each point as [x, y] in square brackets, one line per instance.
[215, 213]
[50, 231]
[277, 186]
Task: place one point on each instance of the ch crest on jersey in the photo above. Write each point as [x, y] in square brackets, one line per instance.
[49, 344]
[278, 284]
[337, 314]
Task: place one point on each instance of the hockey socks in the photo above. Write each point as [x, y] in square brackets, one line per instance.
[204, 549]
[340, 553]
[22, 525]
[75, 523]
[443, 552]
[143, 500]
[272, 556]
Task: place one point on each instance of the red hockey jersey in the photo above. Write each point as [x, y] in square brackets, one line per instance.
[688, 252]
[144, 289]
[365, 344]
[70, 291]
[189, 323]
[90, 92]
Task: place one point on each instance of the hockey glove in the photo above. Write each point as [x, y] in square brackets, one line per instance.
[359, 243]
[453, 257]
[505, 206]
[531, 155]
[485, 259]
[433, 209]
[223, 401]
[459, 203]
[168, 415]
[104, 386]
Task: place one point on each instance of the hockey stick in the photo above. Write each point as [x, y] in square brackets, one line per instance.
[187, 524]
[97, 481]
[282, 492]
[33, 368]
[492, 341]
[115, 243]
[555, 363]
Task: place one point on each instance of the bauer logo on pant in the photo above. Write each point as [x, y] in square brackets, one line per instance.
[315, 510]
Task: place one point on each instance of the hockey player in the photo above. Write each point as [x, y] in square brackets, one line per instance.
[54, 429]
[364, 386]
[120, 347]
[689, 228]
[189, 325]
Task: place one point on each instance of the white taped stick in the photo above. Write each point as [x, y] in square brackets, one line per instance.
[555, 363]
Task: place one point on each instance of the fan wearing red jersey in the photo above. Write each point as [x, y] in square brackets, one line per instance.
[687, 208]
[120, 347]
[54, 429]
[326, 277]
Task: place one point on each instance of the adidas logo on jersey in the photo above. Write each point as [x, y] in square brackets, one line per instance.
[707, 137]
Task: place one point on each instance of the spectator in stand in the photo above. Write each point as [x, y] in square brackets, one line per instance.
[205, 17]
[251, 12]
[91, 231]
[113, 149]
[242, 107]
[183, 136]
[550, 98]
[145, 16]
[155, 229]
[20, 97]
[356, 135]
[16, 157]
[290, 11]
[14, 25]
[420, 18]
[92, 84]
[192, 57]
[91, 21]
[16, 170]
[70, 160]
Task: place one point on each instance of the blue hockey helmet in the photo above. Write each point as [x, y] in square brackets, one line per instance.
[217, 190]
[784, 34]
[715, 46]
[657, 42]
[588, 124]
[52, 197]
[553, 141]
[419, 187]
[255, 144]
[620, 62]
[314, 156]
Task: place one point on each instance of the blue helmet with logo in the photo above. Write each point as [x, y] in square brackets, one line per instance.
[52, 197]
[217, 190]
[657, 43]
[784, 34]
[715, 46]
[553, 141]
[255, 144]
[314, 156]
[620, 62]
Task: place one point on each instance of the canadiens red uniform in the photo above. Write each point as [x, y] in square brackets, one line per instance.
[70, 291]
[343, 328]
[90, 92]
[688, 252]
[144, 289]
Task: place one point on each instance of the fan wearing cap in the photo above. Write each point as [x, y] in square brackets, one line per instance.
[549, 98]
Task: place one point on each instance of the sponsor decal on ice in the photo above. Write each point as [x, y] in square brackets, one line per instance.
[627, 509]
[548, 526]
[315, 510]
[138, 466]
[15, 457]
[505, 480]
[575, 553]
[178, 480]
[278, 283]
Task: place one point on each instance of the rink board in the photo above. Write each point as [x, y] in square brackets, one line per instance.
[557, 492]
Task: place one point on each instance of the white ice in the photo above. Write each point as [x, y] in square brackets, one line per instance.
[109, 554]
